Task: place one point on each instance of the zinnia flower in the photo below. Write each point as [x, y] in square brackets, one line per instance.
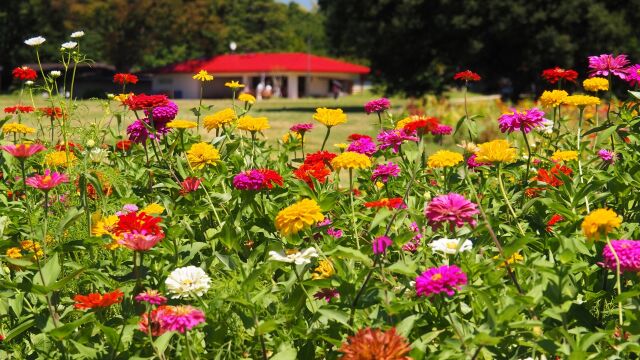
[370, 344]
[607, 64]
[253, 124]
[363, 145]
[152, 297]
[248, 98]
[298, 216]
[394, 139]
[496, 151]
[384, 171]
[203, 76]
[24, 73]
[202, 154]
[466, 75]
[633, 75]
[351, 160]
[180, 318]
[600, 222]
[523, 121]
[423, 125]
[187, 281]
[444, 159]
[380, 244]
[326, 294]
[442, 129]
[17, 128]
[324, 270]
[35, 41]
[451, 208]
[18, 109]
[47, 181]
[182, 124]
[444, 279]
[124, 145]
[294, 256]
[581, 100]
[249, 180]
[556, 74]
[393, 203]
[306, 172]
[564, 155]
[377, 106]
[553, 98]
[23, 151]
[556, 218]
[628, 252]
[97, 300]
[301, 128]
[607, 156]
[330, 117]
[220, 118]
[233, 85]
[450, 246]
[144, 102]
[596, 84]
[189, 184]
[125, 78]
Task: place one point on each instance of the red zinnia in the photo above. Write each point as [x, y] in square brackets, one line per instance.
[422, 125]
[51, 111]
[270, 177]
[556, 74]
[551, 177]
[24, 73]
[355, 137]
[70, 145]
[323, 157]
[393, 203]
[123, 79]
[189, 184]
[123, 145]
[143, 101]
[467, 75]
[134, 222]
[554, 220]
[97, 300]
[315, 170]
[18, 109]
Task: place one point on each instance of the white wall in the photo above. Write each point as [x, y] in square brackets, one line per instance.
[176, 85]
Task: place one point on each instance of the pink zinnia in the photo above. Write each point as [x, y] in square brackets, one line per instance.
[444, 279]
[335, 233]
[633, 75]
[189, 184]
[607, 64]
[152, 297]
[394, 138]
[301, 128]
[442, 129]
[377, 106]
[363, 145]
[181, 318]
[47, 181]
[380, 244]
[249, 180]
[521, 121]
[452, 208]
[384, 171]
[23, 151]
[607, 156]
[628, 252]
[140, 241]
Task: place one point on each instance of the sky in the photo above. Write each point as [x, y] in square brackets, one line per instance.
[305, 3]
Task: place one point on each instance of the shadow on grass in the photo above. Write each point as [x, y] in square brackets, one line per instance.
[312, 108]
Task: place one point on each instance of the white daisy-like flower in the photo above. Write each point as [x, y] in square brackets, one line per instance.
[98, 155]
[450, 246]
[69, 45]
[187, 281]
[294, 256]
[35, 41]
[77, 34]
[55, 73]
[546, 127]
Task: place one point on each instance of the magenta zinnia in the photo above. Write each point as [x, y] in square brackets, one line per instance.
[301, 128]
[152, 297]
[394, 138]
[181, 318]
[444, 279]
[377, 106]
[607, 64]
[523, 121]
[607, 156]
[384, 171]
[47, 181]
[380, 244]
[363, 145]
[628, 252]
[451, 208]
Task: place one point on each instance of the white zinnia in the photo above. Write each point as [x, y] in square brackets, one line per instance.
[450, 246]
[297, 257]
[69, 45]
[55, 73]
[77, 34]
[35, 41]
[186, 281]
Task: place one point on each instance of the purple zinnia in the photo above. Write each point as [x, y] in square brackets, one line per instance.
[442, 130]
[521, 121]
[164, 113]
[607, 64]
[137, 132]
[363, 145]
[326, 294]
[301, 128]
[628, 252]
[249, 180]
[380, 244]
[383, 171]
[377, 106]
[444, 279]
[394, 138]
[452, 208]
[607, 156]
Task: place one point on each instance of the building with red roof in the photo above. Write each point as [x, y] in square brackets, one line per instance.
[289, 75]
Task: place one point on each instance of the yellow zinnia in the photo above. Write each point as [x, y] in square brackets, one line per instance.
[351, 160]
[496, 151]
[290, 136]
[324, 270]
[600, 222]
[516, 257]
[203, 76]
[564, 155]
[59, 159]
[32, 246]
[341, 146]
[222, 117]
[202, 154]
[181, 124]
[17, 129]
[330, 117]
[233, 85]
[443, 159]
[581, 100]
[104, 225]
[553, 98]
[248, 98]
[298, 216]
[596, 84]
[122, 97]
[153, 209]
[14, 253]
[253, 124]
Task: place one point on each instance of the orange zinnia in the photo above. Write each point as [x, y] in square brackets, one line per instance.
[97, 300]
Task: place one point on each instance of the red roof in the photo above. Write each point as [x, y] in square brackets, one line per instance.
[265, 62]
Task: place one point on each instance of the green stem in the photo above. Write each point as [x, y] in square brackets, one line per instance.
[186, 339]
[326, 137]
[581, 111]
[506, 199]
[618, 284]
[313, 307]
[353, 212]
[525, 179]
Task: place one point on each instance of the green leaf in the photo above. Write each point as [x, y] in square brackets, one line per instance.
[63, 331]
[62, 282]
[50, 272]
[19, 330]
[72, 214]
[348, 253]
[268, 326]
[336, 315]
[162, 341]
[286, 352]
[405, 326]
